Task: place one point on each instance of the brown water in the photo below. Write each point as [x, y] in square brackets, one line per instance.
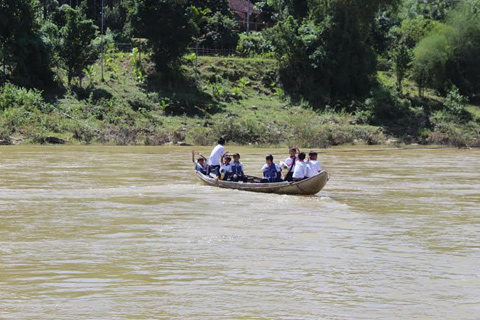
[129, 233]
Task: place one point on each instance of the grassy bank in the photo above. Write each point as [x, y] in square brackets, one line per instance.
[233, 97]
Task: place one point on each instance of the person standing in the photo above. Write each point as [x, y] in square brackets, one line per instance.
[215, 156]
[290, 162]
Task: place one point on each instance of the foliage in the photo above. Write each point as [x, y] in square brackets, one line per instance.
[431, 56]
[254, 44]
[220, 31]
[325, 56]
[450, 54]
[12, 96]
[401, 58]
[24, 51]
[432, 9]
[76, 47]
[170, 39]
[411, 31]
[455, 102]
[116, 19]
[387, 108]
[137, 65]
[328, 54]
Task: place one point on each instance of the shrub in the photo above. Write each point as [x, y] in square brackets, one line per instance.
[450, 54]
[254, 44]
[201, 136]
[12, 96]
[455, 102]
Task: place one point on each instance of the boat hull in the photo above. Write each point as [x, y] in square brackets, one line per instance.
[309, 186]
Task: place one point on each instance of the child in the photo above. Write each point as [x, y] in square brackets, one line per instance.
[290, 163]
[226, 168]
[200, 164]
[313, 166]
[300, 171]
[237, 169]
[271, 172]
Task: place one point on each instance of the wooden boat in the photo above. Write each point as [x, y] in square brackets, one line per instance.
[307, 186]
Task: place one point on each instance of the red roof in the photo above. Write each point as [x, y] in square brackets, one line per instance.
[241, 6]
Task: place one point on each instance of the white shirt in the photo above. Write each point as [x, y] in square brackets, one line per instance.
[313, 168]
[216, 154]
[300, 170]
[288, 163]
[226, 168]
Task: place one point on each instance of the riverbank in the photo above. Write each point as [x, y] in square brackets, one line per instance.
[232, 97]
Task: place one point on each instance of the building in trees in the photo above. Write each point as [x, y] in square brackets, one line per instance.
[240, 9]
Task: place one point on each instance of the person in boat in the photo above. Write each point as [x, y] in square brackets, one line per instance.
[300, 171]
[237, 169]
[226, 167]
[271, 172]
[201, 163]
[313, 166]
[290, 162]
[214, 159]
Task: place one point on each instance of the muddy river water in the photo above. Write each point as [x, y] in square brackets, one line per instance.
[129, 233]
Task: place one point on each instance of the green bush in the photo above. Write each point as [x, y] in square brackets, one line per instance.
[253, 45]
[446, 132]
[455, 102]
[12, 96]
[450, 54]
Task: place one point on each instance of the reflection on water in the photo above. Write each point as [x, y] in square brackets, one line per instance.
[128, 233]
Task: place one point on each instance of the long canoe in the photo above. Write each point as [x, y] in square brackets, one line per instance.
[307, 186]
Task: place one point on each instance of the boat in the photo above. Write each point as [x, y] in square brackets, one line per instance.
[309, 186]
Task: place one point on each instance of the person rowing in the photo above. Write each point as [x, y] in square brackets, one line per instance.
[214, 159]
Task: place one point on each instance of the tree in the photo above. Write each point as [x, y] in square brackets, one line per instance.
[431, 56]
[325, 56]
[214, 6]
[220, 27]
[76, 49]
[401, 58]
[449, 55]
[24, 51]
[220, 31]
[169, 27]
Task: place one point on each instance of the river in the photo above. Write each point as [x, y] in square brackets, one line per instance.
[129, 233]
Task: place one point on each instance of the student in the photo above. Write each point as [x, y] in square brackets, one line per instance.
[214, 159]
[201, 163]
[313, 166]
[300, 171]
[271, 172]
[226, 168]
[290, 162]
[237, 169]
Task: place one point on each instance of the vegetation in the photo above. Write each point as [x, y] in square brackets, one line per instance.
[323, 73]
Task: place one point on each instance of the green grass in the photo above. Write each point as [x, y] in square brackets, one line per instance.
[233, 97]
